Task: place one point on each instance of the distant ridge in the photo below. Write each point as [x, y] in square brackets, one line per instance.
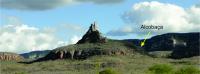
[35, 54]
[182, 45]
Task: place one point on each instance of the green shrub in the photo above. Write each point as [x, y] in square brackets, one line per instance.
[188, 70]
[161, 69]
[97, 66]
[108, 71]
[20, 73]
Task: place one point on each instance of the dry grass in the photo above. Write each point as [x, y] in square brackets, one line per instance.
[130, 64]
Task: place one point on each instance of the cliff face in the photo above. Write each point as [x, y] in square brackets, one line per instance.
[92, 36]
[182, 45]
[7, 56]
[80, 54]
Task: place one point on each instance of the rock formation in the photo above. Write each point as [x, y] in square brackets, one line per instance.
[80, 54]
[91, 44]
[92, 36]
[7, 56]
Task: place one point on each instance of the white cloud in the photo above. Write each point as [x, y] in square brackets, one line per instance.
[21, 38]
[194, 16]
[24, 38]
[74, 39]
[121, 31]
[47, 4]
[172, 17]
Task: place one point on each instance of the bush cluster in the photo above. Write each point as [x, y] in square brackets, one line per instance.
[108, 71]
[169, 69]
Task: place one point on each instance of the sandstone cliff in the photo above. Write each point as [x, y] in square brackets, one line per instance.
[7, 56]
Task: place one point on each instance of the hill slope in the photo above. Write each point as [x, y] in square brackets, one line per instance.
[86, 50]
[182, 45]
[91, 44]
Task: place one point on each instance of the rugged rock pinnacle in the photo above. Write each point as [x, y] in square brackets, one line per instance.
[92, 36]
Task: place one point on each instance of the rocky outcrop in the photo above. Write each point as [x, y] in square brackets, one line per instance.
[7, 56]
[80, 54]
[92, 36]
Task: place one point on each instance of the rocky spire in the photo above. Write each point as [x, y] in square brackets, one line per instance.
[92, 35]
[93, 27]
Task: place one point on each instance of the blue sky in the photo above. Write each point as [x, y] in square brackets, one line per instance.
[107, 15]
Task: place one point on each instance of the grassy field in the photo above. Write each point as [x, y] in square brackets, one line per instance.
[109, 45]
[129, 64]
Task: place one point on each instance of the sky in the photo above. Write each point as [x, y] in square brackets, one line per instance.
[30, 25]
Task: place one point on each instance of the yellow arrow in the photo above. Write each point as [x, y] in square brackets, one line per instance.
[143, 42]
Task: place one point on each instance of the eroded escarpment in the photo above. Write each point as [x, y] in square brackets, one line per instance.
[81, 54]
[8, 56]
